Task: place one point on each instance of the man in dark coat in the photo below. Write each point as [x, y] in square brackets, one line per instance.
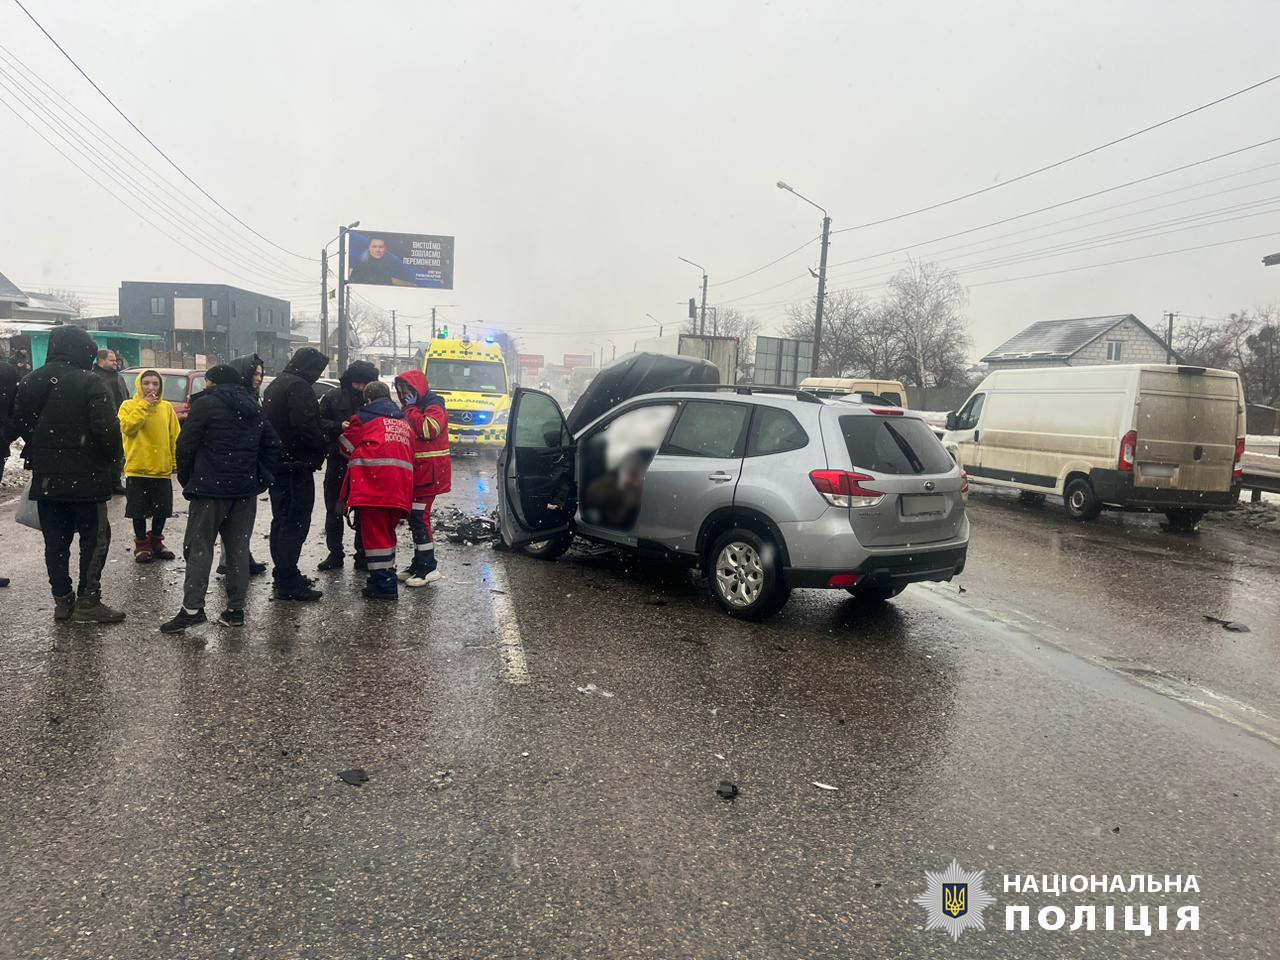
[251, 370]
[108, 368]
[339, 406]
[227, 453]
[73, 443]
[291, 407]
[9, 378]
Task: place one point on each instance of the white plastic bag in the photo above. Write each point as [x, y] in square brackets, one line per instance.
[28, 513]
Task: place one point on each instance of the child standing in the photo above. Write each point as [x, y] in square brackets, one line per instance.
[432, 470]
[149, 428]
[378, 445]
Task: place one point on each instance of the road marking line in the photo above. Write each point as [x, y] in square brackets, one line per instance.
[515, 666]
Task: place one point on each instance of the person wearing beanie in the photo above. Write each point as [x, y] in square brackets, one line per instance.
[339, 406]
[226, 454]
[72, 435]
[150, 428]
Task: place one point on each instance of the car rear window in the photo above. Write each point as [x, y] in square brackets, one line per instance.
[899, 445]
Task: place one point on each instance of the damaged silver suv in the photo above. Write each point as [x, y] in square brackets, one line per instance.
[762, 490]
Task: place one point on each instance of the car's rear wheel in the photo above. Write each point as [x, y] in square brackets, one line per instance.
[875, 594]
[746, 576]
[1081, 502]
[550, 549]
[1184, 520]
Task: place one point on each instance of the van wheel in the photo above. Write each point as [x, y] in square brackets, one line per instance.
[1082, 504]
[548, 549]
[1184, 520]
[745, 576]
[1031, 498]
[875, 595]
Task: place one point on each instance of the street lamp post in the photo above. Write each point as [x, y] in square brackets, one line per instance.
[657, 321]
[342, 292]
[822, 278]
[702, 316]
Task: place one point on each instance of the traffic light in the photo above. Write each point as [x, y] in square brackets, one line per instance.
[444, 332]
[693, 308]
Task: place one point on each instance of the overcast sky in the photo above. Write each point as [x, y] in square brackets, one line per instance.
[577, 149]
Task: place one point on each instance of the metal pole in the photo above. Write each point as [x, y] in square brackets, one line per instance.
[822, 297]
[1168, 343]
[433, 323]
[394, 348]
[324, 302]
[342, 298]
[702, 317]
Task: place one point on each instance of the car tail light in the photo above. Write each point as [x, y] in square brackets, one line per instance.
[886, 412]
[843, 488]
[844, 579]
[964, 484]
[1237, 471]
[1128, 451]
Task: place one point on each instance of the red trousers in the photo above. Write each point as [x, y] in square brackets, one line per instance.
[378, 534]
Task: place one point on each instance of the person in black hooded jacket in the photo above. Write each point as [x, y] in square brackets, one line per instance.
[227, 453]
[339, 406]
[291, 407]
[9, 378]
[251, 370]
[72, 443]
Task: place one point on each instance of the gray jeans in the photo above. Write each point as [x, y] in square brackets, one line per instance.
[207, 519]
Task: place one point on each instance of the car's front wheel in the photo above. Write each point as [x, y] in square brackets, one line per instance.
[548, 549]
[746, 575]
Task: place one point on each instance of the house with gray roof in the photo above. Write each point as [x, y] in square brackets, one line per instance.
[1084, 341]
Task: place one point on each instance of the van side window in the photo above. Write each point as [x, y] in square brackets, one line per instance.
[968, 417]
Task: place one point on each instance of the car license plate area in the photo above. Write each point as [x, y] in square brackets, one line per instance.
[1158, 471]
[923, 506]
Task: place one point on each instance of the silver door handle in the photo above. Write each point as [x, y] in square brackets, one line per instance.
[720, 476]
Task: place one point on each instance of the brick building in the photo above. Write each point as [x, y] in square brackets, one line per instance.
[1087, 341]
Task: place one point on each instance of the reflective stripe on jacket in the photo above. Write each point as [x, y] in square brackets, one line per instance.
[379, 450]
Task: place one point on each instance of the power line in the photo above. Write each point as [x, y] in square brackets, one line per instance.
[153, 144]
[751, 273]
[1059, 163]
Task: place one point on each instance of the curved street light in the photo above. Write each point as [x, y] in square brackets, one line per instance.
[822, 276]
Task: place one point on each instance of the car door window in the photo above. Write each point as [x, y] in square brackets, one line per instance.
[969, 415]
[539, 425]
[197, 384]
[708, 429]
[614, 460]
[775, 431]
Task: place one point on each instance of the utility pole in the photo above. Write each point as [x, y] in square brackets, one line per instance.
[822, 296]
[433, 323]
[702, 318]
[1168, 343]
[324, 302]
[394, 349]
[342, 298]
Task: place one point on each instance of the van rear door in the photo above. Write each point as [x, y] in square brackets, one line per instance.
[1188, 419]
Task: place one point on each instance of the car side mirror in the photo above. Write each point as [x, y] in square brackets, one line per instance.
[952, 420]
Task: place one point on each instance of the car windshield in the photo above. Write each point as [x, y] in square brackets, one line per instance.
[175, 386]
[476, 376]
[895, 445]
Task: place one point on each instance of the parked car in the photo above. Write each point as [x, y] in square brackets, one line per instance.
[179, 386]
[1150, 437]
[762, 490]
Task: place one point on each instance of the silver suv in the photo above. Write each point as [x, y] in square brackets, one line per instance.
[762, 490]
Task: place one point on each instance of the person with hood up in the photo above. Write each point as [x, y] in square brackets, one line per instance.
[378, 444]
[432, 470]
[226, 454]
[293, 411]
[251, 370]
[339, 406]
[72, 437]
[150, 428]
[9, 378]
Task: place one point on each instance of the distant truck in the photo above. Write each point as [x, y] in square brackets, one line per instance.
[722, 351]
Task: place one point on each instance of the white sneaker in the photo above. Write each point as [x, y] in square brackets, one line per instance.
[403, 575]
[422, 579]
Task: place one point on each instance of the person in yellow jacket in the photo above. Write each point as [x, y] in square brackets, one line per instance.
[150, 428]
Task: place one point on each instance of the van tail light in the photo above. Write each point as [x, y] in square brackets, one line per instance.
[1128, 451]
[843, 488]
[1237, 471]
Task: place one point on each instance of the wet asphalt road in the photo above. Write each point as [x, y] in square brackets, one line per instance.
[1066, 714]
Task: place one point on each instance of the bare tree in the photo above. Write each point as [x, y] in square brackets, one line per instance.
[732, 322]
[1247, 342]
[925, 305]
[852, 342]
[367, 327]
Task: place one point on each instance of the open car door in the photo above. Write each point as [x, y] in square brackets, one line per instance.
[536, 492]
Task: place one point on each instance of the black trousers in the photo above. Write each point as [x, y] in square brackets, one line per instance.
[60, 523]
[335, 471]
[293, 497]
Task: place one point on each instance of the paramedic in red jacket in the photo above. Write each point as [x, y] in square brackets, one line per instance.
[378, 444]
[432, 470]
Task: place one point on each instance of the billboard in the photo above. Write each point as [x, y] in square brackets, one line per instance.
[532, 361]
[782, 362]
[400, 259]
[579, 360]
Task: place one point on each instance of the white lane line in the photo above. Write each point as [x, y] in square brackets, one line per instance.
[515, 666]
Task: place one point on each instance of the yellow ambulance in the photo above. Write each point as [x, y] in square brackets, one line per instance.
[471, 376]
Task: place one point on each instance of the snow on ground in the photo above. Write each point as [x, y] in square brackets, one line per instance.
[15, 477]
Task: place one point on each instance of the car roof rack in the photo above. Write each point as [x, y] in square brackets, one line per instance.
[745, 389]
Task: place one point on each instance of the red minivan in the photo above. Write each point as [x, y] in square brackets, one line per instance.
[179, 386]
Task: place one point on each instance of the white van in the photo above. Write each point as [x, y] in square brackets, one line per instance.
[1139, 437]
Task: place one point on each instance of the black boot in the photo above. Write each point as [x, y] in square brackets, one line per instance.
[332, 562]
